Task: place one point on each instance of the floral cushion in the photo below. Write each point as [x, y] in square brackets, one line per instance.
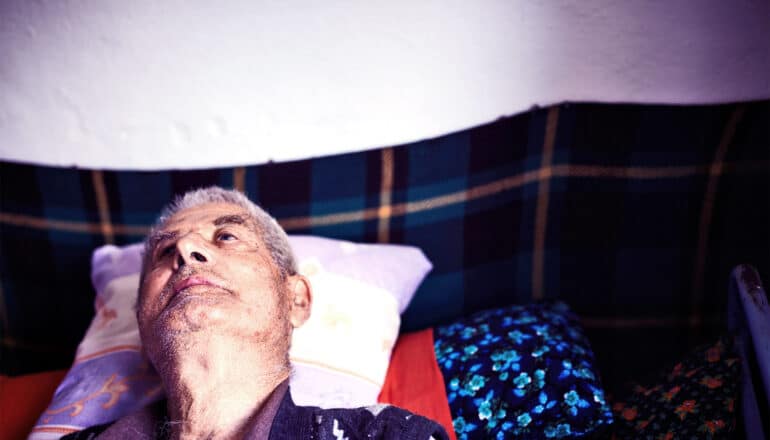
[521, 371]
[694, 399]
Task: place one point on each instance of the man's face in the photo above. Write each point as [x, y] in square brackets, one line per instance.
[209, 274]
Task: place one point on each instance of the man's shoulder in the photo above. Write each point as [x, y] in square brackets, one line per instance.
[380, 421]
[371, 422]
[148, 422]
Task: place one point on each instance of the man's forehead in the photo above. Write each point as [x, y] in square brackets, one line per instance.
[208, 214]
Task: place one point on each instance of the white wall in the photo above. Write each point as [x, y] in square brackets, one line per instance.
[145, 84]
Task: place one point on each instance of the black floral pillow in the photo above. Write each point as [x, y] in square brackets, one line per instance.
[694, 399]
[521, 371]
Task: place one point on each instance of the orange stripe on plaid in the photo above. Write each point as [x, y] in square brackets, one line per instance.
[293, 223]
[108, 351]
[707, 210]
[103, 206]
[44, 223]
[507, 183]
[476, 192]
[239, 179]
[473, 193]
[638, 173]
[386, 194]
[541, 211]
[68, 226]
[745, 167]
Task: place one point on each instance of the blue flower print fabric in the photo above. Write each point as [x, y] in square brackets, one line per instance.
[522, 371]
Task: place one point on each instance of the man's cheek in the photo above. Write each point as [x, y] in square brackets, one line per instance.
[216, 314]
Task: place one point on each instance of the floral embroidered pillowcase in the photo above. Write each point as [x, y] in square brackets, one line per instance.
[339, 357]
[524, 371]
[696, 398]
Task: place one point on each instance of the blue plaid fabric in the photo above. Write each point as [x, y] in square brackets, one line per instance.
[632, 214]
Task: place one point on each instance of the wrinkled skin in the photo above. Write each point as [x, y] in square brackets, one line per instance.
[215, 316]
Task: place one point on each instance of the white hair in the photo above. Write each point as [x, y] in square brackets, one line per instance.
[272, 234]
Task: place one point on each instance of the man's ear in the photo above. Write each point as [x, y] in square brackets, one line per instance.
[300, 299]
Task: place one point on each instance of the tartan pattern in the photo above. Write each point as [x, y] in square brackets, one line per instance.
[632, 214]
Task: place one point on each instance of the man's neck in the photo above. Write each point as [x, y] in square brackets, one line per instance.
[216, 389]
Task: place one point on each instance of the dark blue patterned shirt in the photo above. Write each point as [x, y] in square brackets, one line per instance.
[308, 422]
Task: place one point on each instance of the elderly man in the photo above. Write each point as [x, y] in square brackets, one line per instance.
[219, 297]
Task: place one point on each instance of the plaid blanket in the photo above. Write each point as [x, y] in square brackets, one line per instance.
[632, 214]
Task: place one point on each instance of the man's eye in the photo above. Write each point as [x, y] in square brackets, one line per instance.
[166, 251]
[226, 236]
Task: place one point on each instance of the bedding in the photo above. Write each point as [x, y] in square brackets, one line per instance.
[22, 399]
[413, 382]
[288, 421]
[339, 357]
[523, 371]
[632, 214]
[695, 398]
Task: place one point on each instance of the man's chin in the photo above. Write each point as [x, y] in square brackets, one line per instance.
[174, 338]
[192, 313]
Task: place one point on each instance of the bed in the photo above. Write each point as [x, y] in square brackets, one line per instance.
[749, 320]
[633, 215]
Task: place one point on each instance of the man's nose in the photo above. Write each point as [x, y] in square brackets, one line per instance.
[191, 249]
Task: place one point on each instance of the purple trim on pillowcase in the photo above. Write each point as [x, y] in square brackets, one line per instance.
[103, 389]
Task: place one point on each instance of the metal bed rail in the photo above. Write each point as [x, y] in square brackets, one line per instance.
[749, 320]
